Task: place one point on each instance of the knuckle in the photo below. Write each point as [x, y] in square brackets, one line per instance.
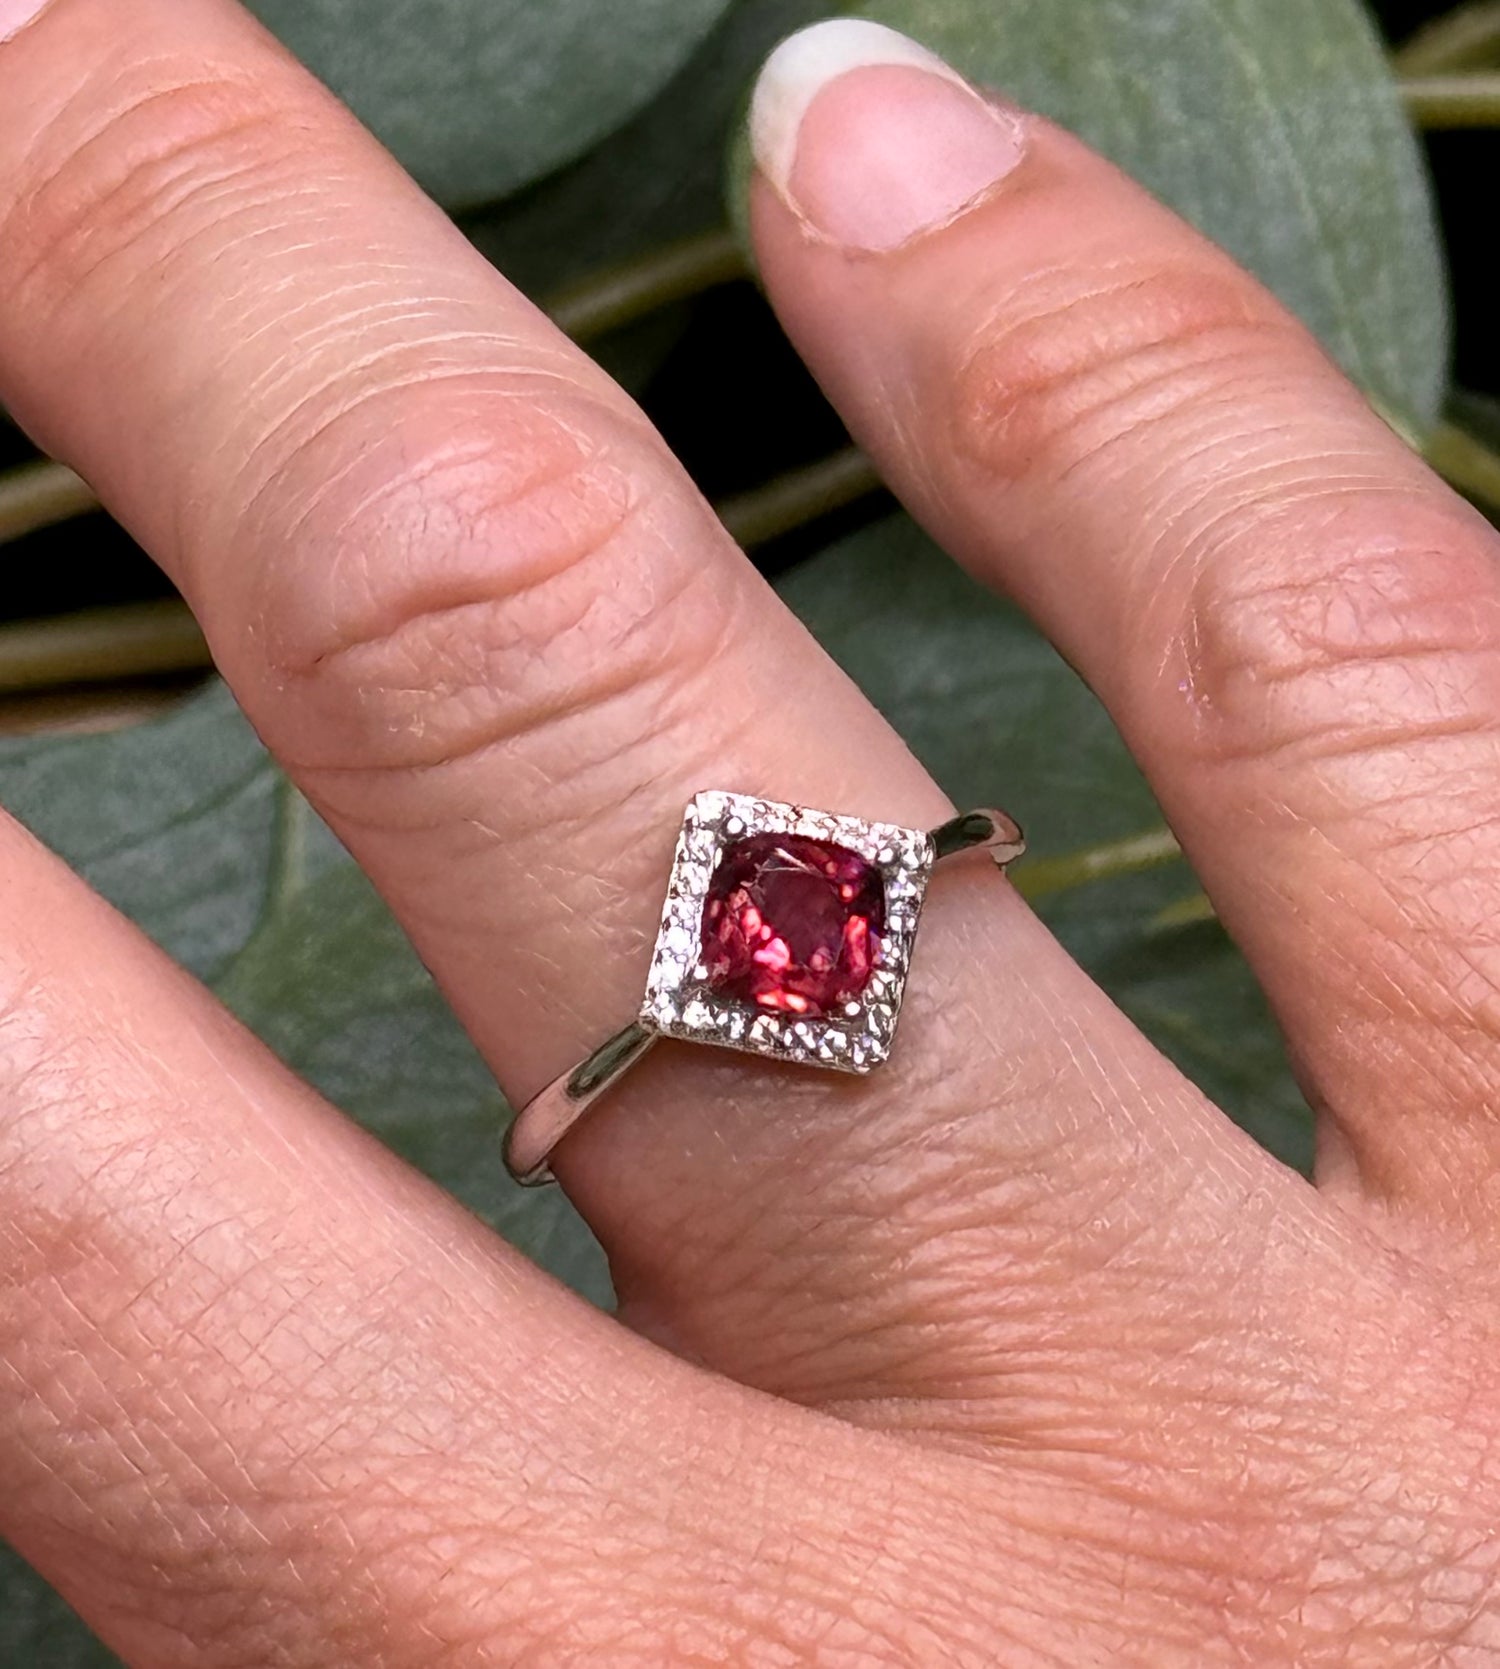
[1356, 627]
[1065, 369]
[496, 566]
[130, 168]
[1336, 667]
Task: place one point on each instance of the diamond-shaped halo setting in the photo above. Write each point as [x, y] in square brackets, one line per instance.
[680, 1002]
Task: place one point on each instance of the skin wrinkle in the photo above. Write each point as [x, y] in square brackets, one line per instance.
[1259, 503]
[509, 479]
[238, 197]
[630, 683]
[1357, 973]
[946, 1216]
[1327, 745]
[406, 369]
[629, 687]
[1228, 496]
[1099, 364]
[513, 389]
[449, 736]
[1207, 532]
[71, 219]
[1156, 401]
[1047, 293]
[474, 447]
[1190, 524]
[922, 1190]
[1413, 656]
[1246, 636]
[416, 614]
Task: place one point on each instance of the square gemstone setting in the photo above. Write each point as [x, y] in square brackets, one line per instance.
[681, 1000]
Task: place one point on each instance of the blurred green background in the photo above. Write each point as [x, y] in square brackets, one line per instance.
[1346, 154]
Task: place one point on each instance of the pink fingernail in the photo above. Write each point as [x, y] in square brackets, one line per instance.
[16, 14]
[871, 139]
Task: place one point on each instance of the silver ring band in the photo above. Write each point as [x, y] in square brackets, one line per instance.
[678, 1004]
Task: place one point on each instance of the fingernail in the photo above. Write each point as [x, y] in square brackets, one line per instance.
[871, 139]
[16, 14]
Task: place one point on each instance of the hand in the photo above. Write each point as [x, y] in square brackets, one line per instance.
[1016, 1352]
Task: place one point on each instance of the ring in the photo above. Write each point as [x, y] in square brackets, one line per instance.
[785, 933]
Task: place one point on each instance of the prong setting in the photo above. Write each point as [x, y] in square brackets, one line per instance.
[679, 1001]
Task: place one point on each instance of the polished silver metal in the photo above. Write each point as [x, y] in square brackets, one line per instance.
[678, 1001]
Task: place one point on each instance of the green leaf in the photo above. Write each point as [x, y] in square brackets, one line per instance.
[479, 97]
[1275, 126]
[657, 179]
[174, 822]
[992, 710]
[38, 1630]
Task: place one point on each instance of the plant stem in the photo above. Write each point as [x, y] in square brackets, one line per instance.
[85, 712]
[1466, 38]
[794, 499]
[1465, 462]
[289, 868]
[100, 646]
[1192, 911]
[1041, 877]
[618, 296]
[1453, 101]
[37, 495]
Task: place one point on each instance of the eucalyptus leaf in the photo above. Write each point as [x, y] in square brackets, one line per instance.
[38, 1630]
[173, 822]
[657, 179]
[1274, 126]
[480, 97]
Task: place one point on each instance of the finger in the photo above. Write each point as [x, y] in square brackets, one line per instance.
[500, 641]
[266, 1396]
[1296, 625]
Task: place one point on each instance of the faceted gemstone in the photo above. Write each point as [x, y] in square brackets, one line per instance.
[792, 924]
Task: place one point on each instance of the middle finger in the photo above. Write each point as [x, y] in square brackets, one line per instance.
[473, 605]
[1295, 623]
